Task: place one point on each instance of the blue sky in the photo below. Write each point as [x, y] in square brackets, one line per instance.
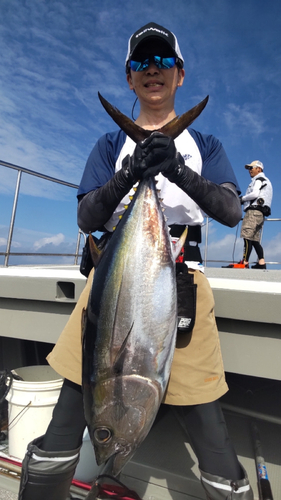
[56, 56]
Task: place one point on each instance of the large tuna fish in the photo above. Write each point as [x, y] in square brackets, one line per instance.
[130, 327]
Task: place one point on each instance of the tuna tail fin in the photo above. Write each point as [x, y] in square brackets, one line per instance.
[173, 129]
[176, 126]
[179, 244]
[95, 252]
[133, 130]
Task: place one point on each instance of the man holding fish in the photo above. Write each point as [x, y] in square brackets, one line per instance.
[194, 177]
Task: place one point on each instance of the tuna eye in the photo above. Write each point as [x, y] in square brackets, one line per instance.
[102, 435]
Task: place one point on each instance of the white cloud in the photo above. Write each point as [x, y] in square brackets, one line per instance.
[3, 243]
[246, 116]
[272, 248]
[226, 248]
[55, 240]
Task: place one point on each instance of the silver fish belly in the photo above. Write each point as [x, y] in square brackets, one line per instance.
[130, 330]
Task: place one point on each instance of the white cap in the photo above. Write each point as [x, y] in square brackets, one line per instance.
[255, 163]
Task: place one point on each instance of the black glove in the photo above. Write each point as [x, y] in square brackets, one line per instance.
[241, 201]
[134, 166]
[155, 154]
[161, 156]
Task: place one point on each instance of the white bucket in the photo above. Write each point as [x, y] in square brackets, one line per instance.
[31, 404]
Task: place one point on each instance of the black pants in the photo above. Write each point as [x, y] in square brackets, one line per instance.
[65, 431]
[248, 246]
[209, 439]
[205, 424]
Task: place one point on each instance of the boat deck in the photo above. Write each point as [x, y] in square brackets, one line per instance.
[36, 302]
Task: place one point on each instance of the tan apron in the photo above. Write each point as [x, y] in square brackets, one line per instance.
[197, 374]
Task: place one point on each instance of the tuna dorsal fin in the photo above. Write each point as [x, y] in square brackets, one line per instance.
[94, 251]
[174, 128]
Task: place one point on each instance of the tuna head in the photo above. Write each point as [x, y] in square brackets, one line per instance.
[123, 413]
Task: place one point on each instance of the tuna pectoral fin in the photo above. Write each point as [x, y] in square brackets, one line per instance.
[179, 244]
[94, 250]
[119, 359]
[173, 129]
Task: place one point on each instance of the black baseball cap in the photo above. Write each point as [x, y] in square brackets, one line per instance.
[153, 31]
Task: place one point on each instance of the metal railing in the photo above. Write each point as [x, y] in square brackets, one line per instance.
[76, 255]
[206, 260]
[8, 253]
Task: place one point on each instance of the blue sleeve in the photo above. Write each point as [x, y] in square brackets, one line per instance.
[216, 166]
[100, 166]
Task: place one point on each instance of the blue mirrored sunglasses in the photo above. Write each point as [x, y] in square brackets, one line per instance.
[160, 62]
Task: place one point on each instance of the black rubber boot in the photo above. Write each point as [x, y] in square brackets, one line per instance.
[218, 488]
[47, 475]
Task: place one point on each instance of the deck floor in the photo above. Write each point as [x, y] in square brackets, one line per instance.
[7, 495]
[165, 467]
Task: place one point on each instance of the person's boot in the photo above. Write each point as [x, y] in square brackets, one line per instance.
[218, 488]
[47, 475]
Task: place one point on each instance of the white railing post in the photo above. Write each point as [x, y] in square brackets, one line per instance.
[206, 241]
[13, 216]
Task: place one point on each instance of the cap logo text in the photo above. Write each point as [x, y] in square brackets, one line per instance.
[152, 29]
